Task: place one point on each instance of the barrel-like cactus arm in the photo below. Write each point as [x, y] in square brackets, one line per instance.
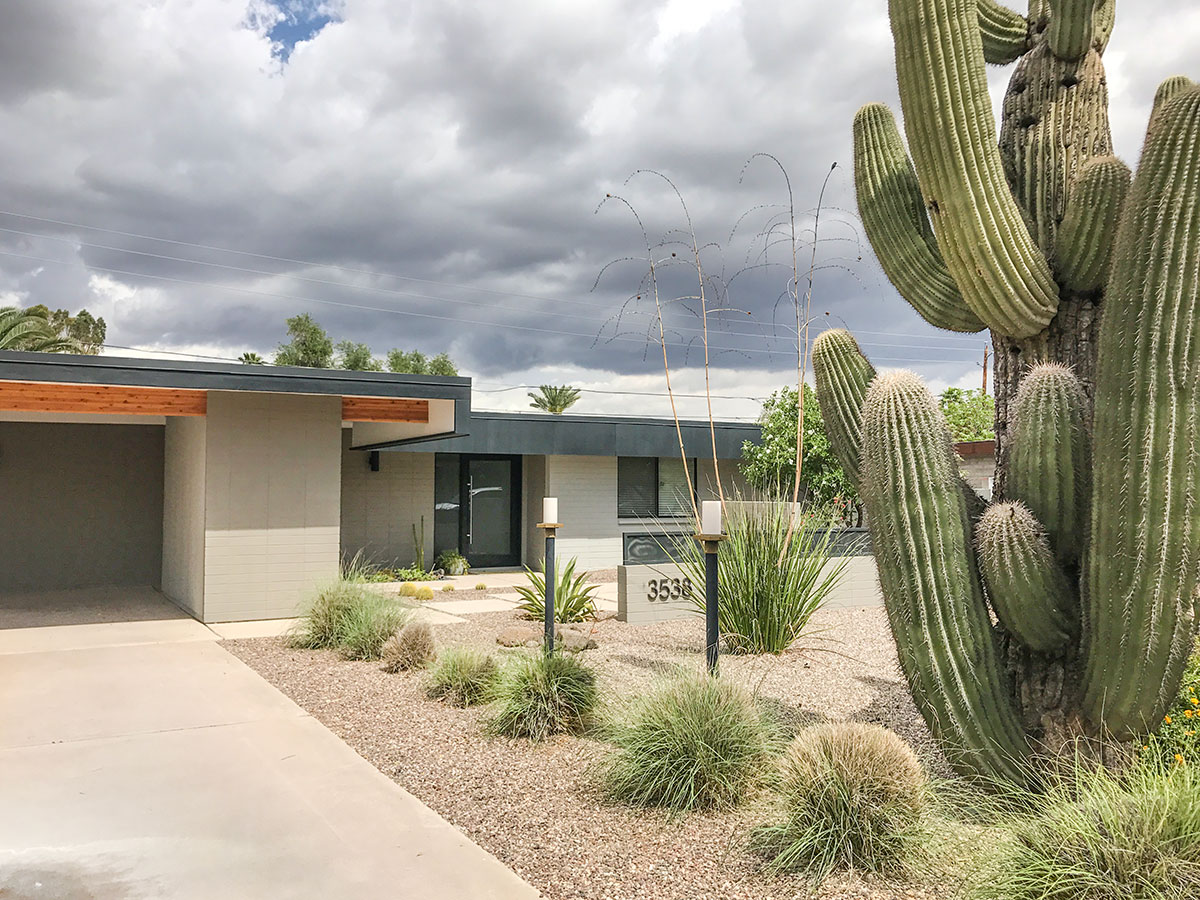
[1144, 560]
[1005, 32]
[893, 214]
[1030, 594]
[1049, 462]
[1169, 89]
[922, 539]
[843, 375]
[1072, 28]
[1089, 228]
[1003, 275]
[1106, 20]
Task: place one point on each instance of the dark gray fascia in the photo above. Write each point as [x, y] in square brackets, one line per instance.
[69, 368]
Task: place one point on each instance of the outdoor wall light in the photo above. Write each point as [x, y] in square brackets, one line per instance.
[373, 460]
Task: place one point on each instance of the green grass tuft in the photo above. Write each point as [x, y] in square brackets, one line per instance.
[694, 742]
[544, 695]
[1101, 836]
[854, 797]
[350, 618]
[463, 676]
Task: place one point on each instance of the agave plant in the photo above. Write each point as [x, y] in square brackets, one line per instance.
[574, 599]
[21, 329]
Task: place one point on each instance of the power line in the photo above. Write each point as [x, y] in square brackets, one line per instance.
[392, 311]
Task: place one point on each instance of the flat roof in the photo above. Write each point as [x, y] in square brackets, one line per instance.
[70, 368]
[515, 433]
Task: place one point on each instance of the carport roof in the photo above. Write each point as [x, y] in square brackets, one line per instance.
[67, 368]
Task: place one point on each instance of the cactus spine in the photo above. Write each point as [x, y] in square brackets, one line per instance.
[1091, 555]
[922, 537]
[1029, 592]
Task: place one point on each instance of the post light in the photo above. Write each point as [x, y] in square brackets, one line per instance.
[551, 524]
[710, 536]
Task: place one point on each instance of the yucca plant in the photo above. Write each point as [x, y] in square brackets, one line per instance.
[770, 585]
[574, 599]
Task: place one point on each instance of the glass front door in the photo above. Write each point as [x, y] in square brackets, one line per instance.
[490, 520]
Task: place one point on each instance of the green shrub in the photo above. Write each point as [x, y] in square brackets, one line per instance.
[693, 742]
[767, 595]
[854, 797]
[425, 592]
[1178, 737]
[543, 695]
[451, 562]
[412, 647]
[574, 599]
[1101, 836]
[349, 617]
[408, 589]
[463, 676]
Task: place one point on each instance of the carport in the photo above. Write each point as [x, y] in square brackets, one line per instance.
[218, 485]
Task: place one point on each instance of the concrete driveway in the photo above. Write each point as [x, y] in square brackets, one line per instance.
[154, 764]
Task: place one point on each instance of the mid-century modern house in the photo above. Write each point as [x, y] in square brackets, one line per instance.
[234, 489]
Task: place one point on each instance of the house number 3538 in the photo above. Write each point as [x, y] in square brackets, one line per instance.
[668, 589]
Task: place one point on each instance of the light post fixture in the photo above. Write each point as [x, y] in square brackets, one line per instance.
[551, 525]
[710, 536]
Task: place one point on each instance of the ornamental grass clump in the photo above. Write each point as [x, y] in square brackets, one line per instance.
[1101, 836]
[463, 676]
[543, 695]
[770, 583]
[854, 797]
[350, 618]
[412, 647]
[694, 742]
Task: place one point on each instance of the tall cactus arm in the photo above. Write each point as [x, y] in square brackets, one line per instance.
[1029, 592]
[1004, 277]
[1168, 90]
[893, 214]
[1106, 20]
[1087, 231]
[1050, 454]
[1005, 32]
[1072, 27]
[931, 586]
[1144, 559]
[843, 375]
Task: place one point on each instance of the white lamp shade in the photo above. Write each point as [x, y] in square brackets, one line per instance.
[550, 510]
[710, 517]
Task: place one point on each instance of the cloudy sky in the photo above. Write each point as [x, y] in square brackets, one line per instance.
[434, 175]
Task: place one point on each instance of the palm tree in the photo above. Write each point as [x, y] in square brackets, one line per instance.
[556, 399]
[250, 358]
[21, 329]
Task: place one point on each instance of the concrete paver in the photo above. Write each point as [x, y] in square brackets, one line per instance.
[169, 769]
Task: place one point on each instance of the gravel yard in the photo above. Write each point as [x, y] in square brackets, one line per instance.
[535, 806]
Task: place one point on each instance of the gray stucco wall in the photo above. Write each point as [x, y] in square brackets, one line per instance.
[82, 505]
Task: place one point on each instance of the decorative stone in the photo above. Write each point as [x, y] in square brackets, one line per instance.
[575, 641]
[518, 636]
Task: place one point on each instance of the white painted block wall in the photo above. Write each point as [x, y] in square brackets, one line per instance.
[379, 509]
[272, 502]
[184, 479]
[586, 487]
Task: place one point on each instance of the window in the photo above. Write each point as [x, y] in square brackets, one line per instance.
[651, 488]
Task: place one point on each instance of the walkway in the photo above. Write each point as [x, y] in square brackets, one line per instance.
[138, 759]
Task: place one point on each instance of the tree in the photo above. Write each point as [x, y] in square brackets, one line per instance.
[250, 358]
[442, 365]
[770, 467]
[87, 331]
[1087, 284]
[27, 329]
[416, 363]
[970, 415]
[310, 346]
[357, 357]
[554, 399]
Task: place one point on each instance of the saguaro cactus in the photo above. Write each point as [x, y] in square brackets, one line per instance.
[1090, 556]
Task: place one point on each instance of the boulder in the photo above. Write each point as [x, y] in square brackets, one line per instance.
[518, 636]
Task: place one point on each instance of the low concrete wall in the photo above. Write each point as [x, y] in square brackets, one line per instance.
[640, 591]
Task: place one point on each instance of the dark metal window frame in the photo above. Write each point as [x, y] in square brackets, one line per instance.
[626, 515]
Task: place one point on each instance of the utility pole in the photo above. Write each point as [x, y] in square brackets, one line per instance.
[986, 348]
